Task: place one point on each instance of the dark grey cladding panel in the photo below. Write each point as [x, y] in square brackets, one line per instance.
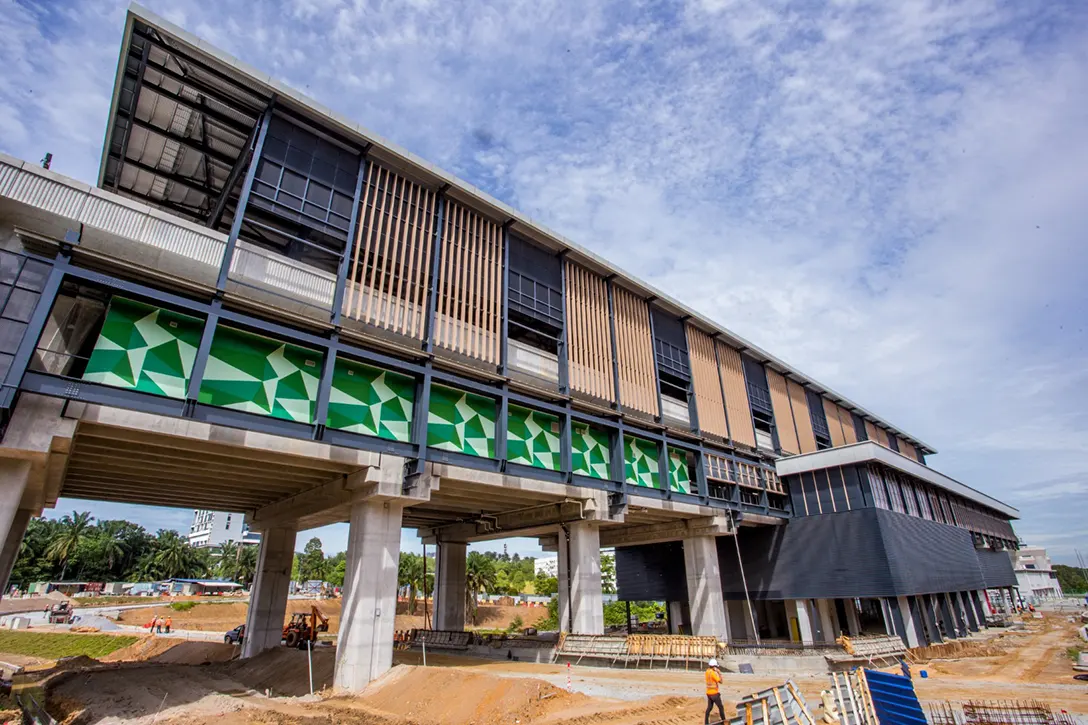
[859, 553]
[822, 556]
[653, 572]
[927, 556]
[528, 259]
[996, 568]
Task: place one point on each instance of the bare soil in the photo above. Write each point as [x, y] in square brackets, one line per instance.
[455, 690]
[223, 615]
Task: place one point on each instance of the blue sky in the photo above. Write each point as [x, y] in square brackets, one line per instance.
[890, 196]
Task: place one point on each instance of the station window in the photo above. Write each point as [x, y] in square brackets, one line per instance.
[819, 419]
[673, 368]
[535, 323]
[759, 399]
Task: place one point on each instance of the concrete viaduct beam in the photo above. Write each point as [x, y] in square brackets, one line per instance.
[667, 531]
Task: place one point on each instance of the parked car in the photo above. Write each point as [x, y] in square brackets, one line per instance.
[236, 635]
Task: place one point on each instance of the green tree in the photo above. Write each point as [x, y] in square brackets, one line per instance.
[311, 565]
[480, 578]
[410, 574]
[74, 529]
[1071, 578]
[545, 586]
[608, 573]
[336, 566]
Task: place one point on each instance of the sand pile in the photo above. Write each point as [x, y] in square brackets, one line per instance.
[283, 671]
[173, 651]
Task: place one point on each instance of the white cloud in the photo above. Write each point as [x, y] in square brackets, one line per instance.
[887, 195]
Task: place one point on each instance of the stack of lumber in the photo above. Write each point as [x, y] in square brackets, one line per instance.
[639, 650]
[869, 649]
[781, 705]
[440, 639]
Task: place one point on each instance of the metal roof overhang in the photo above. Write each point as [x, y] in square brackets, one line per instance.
[868, 451]
[243, 85]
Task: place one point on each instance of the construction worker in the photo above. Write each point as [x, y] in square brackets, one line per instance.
[158, 625]
[154, 621]
[713, 693]
[169, 621]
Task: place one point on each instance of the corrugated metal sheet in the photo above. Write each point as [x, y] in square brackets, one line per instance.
[7, 178]
[281, 274]
[48, 195]
[206, 248]
[894, 699]
[114, 218]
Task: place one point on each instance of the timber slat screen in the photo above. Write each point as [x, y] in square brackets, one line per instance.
[741, 429]
[635, 352]
[783, 417]
[469, 285]
[847, 425]
[834, 425]
[589, 335]
[391, 264]
[805, 435]
[907, 450]
[708, 387]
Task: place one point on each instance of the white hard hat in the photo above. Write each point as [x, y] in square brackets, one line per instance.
[713, 662]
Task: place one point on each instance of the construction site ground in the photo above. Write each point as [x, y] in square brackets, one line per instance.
[222, 615]
[166, 681]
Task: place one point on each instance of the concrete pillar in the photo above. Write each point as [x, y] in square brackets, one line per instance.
[676, 618]
[451, 588]
[798, 610]
[586, 598]
[968, 611]
[946, 615]
[705, 589]
[929, 608]
[10, 547]
[268, 596]
[910, 629]
[853, 624]
[364, 650]
[978, 602]
[827, 626]
[957, 613]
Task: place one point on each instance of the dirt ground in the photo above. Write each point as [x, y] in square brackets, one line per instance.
[220, 616]
[454, 690]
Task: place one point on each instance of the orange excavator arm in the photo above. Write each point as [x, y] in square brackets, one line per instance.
[318, 616]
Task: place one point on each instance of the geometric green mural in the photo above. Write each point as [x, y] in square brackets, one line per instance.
[679, 478]
[641, 463]
[145, 348]
[461, 422]
[370, 401]
[260, 375]
[589, 451]
[532, 438]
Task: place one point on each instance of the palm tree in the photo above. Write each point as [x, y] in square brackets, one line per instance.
[229, 554]
[74, 529]
[109, 543]
[410, 575]
[175, 558]
[480, 577]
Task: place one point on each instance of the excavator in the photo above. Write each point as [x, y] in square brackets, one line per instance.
[304, 627]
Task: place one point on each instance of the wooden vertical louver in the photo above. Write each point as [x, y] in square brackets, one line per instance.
[834, 425]
[469, 288]
[907, 449]
[741, 429]
[589, 336]
[783, 416]
[391, 261]
[847, 425]
[708, 387]
[805, 436]
[634, 352]
[870, 430]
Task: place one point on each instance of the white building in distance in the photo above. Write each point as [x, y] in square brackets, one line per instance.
[215, 528]
[1035, 578]
[547, 564]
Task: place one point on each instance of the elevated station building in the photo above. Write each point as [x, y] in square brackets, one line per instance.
[262, 307]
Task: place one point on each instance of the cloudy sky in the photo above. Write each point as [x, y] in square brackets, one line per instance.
[892, 197]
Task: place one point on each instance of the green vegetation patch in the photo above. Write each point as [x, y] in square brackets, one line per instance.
[182, 606]
[53, 646]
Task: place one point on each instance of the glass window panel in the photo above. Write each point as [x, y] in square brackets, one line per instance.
[318, 193]
[20, 305]
[318, 212]
[9, 267]
[268, 172]
[11, 334]
[341, 204]
[290, 202]
[34, 274]
[293, 183]
[298, 160]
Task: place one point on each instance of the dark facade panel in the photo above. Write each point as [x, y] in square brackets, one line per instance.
[858, 553]
[854, 488]
[651, 573]
[927, 557]
[530, 260]
[996, 568]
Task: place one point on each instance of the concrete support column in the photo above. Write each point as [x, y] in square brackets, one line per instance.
[11, 543]
[798, 610]
[946, 615]
[978, 603]
[451, 590]
[365, 648]
[957, 614]
[581, 602]
[930, 613]
[705, 590]
[853, 624]
[676, 618]
[827, 624]
[909, 634]
[268, 596]
[969, 618]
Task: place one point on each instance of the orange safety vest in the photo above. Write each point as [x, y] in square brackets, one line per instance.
[712, 680]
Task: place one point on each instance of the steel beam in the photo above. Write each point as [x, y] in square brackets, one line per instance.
[235, 171]
[324, 388]
[342, 271]
[188, 143]
[221, 120]
[190, 184]
[135, 102]
[243, 199]
[432, 283]
[200, 362]
[33, 332]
